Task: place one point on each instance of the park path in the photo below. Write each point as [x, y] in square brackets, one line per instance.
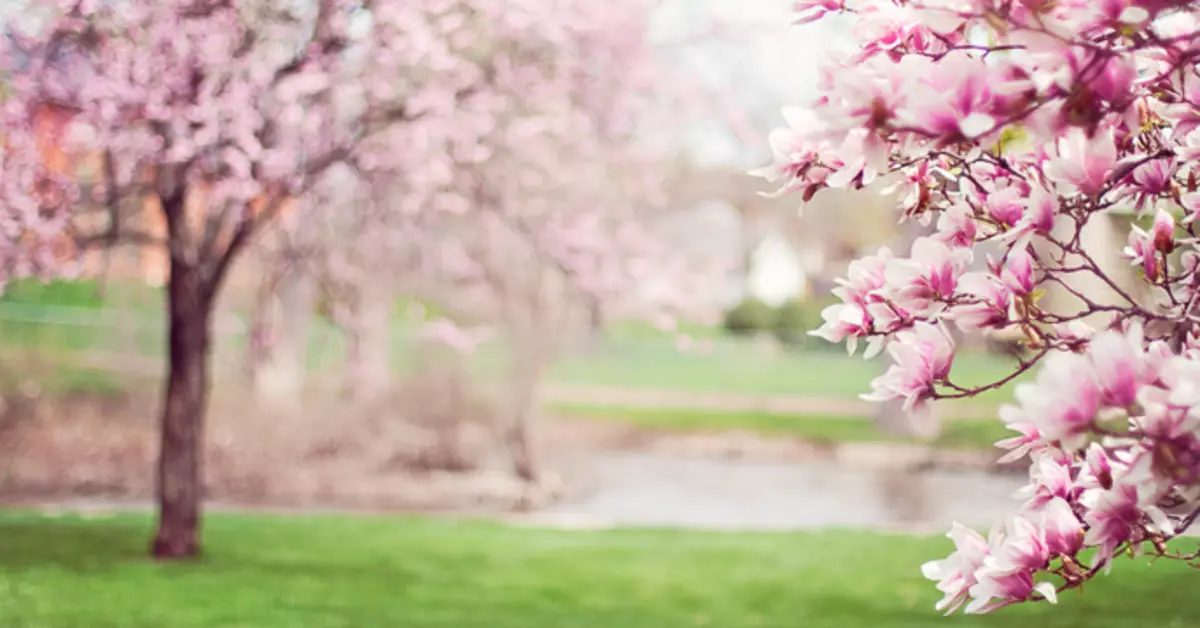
[612, 489]
[636, 397]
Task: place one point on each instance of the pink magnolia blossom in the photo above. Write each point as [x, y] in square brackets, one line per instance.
[1162, 234]
[1064, 399]
[1113, 517]
[1017, 274]
[1150, 181]
[923, 282]
[989, 302]
[1083, 163]
[813, 10]
[1023, 127]
[1120, 366]
[1143, 252]
[922, 357]
[1028, 441]
[996, 589]
[955, 574]
[1061, 529]
[957, 227]
[1049, 479]
[1006, 576]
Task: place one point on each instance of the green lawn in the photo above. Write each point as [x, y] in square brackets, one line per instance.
[409, 573]
[64, 320]
[961, 434]
[736, 366]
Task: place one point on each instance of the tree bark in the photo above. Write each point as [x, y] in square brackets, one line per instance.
[522, 437]
[180, 469]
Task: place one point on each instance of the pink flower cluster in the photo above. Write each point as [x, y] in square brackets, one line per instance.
[1114, 436]
[1005, 130]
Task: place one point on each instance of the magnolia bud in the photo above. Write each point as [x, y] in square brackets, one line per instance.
[1163, 232]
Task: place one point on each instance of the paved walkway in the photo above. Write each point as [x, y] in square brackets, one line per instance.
[648, 489]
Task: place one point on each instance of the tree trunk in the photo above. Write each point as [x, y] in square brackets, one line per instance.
[180, 470]
[522, 439]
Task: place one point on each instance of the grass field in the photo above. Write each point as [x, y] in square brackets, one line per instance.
[409, 573]
[63, 323]
[959, 434]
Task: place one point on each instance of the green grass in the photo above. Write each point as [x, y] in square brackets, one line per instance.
[958, 434]
[59, 320]
[739, 367]
[326, 572]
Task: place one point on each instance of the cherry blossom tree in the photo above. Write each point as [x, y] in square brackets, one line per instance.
[541, 214]
[1014, 125]
[222, 114]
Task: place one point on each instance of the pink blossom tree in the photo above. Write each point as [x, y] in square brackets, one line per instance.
[222, 113]
[1015, 124]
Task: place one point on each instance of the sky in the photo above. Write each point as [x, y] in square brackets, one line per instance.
[771, 64]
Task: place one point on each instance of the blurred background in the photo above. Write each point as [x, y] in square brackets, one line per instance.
[687, 401]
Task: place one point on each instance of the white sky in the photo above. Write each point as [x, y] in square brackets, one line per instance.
[773, 64]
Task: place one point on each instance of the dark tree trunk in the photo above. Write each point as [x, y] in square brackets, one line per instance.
[180, 457]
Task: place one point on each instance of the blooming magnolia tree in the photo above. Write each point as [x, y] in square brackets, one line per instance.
[1013, 124]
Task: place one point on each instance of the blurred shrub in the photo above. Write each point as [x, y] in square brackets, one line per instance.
[793, 320]
[749, 317]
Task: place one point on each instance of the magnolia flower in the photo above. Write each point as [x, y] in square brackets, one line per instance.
[1049, 479]
[1017, 274]
[988, 305]
[1119, 362]
[955, 574]
[1083, 163]
[1018, 446]
[864, 277]
[843, 321]
[1151, 180]
[1164, 422]
[1162, 234]
[813, 10]
[957, 227]
[793, 150]
[930, 277]
[922, 357]
[1006, 576]
[1113, 517]
[1061, 529]
[1006, 206]
[1063, 401]
[1141, 250]
[1097, 469]
[1023, 548]
[1039, 217]
[994, 590]
[959, 99]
